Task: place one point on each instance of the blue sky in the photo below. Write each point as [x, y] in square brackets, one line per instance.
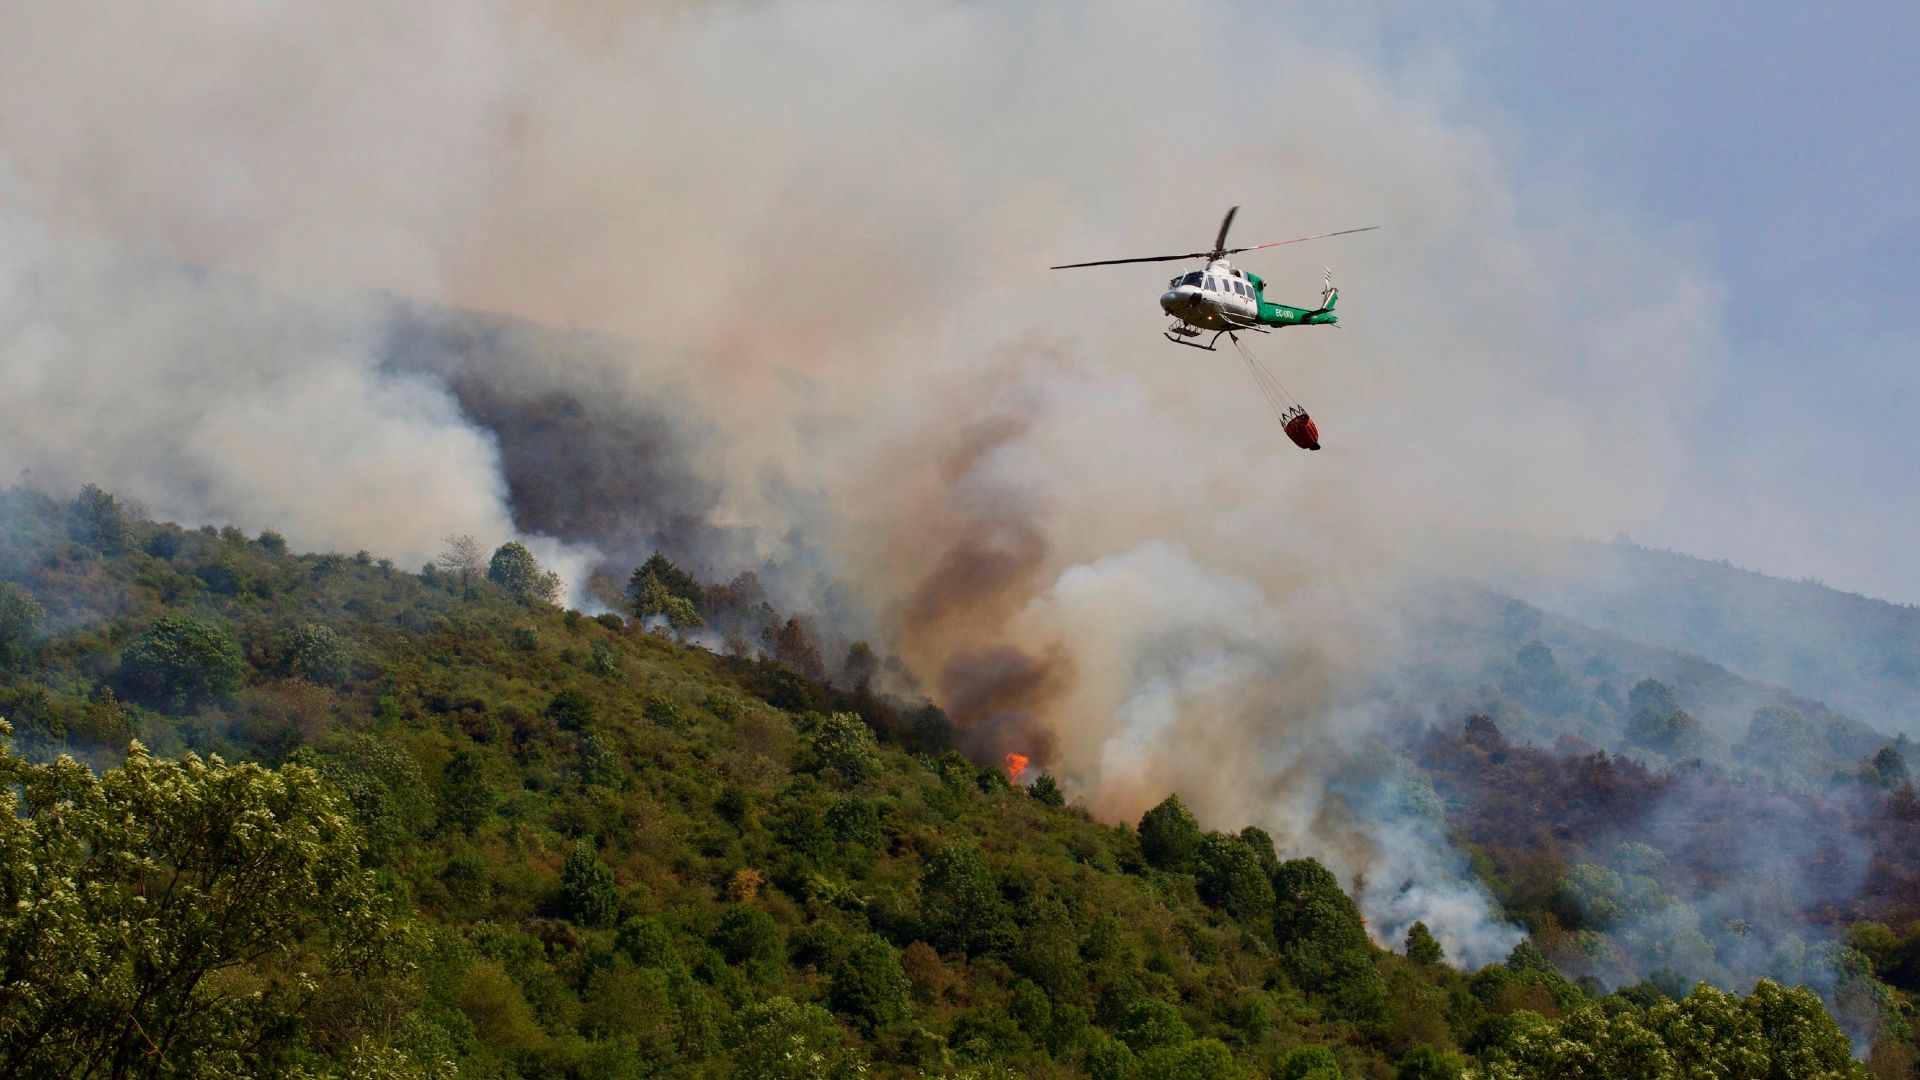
[1782, 141]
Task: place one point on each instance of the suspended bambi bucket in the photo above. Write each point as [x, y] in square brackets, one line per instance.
[1286, 408]
[1299, 428]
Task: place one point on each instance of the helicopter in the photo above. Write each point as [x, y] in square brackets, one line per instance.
[1223, 298]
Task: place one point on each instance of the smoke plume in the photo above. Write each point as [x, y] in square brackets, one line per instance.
[808, 242]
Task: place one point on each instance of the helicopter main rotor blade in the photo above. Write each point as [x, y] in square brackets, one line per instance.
[1220, 242]
[1298, 239]
[1144, 258]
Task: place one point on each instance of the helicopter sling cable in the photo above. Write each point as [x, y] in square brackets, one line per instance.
[1286, 408]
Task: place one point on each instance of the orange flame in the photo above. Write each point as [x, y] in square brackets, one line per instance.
[1016, 764]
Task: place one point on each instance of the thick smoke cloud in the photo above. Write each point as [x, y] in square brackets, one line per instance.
[819, 233]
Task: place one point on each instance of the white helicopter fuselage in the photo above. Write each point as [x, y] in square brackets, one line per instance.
[1217, 298]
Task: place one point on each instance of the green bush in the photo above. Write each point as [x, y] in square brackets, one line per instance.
[96, 520]
[1323, 941]
[869, 986]
[843, 746]
[514, 569]
[960, 906]
[749, 938]
[183, 660]
[313, 652]
[20, 619]
[1229, 876]
[588, 895]
[1169, 835]
[780, 1039]
[1308, 1063]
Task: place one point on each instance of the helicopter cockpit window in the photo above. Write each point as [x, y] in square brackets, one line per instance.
[1193, 278]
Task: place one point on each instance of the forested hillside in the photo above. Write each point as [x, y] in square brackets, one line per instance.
[406, 823]
[1857, 654]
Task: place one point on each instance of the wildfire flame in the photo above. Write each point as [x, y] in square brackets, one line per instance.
[1016, 764]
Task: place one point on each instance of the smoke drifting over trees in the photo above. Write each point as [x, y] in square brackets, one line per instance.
[822, 347]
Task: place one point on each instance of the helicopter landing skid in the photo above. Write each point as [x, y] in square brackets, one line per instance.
[1180, 333]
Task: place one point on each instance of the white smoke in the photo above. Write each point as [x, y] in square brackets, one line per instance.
[824, 227]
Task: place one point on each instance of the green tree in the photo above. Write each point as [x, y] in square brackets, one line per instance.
[183, 660]
[844, 744]
[172, 911]
[1308, 1063]
[791, 643]
[1422, 946]
[313, 652]
[1229, 876]
[571, 710]
[466, 800]
[870, 986]
[96, 520]
[860, 665]
[780, 1039]
[1150, 1024]
[659, 588]
[749, 937]
[960, 906]
[1323, 942]
[1260, 842]
[588, 894]
[1046, 790]
[514, 569]
[20, 619]
[1779, 740]
[382, 784]
[1774, 1033]
[1169, 835]
[1885, 769]
[1426, 1063]
[1201, 1059]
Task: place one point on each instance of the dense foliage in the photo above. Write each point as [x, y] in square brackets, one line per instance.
[469, 829]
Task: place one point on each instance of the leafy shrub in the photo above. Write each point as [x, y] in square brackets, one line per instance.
[588, 894]
[313, 652]
[780, 1039]
[263, 879]
[96, 520]
[1169, 835]
[843, 744]
[869, 985]
[1229, 876]
[571, 710]
[960, 907]
[1046, 790]
[1422, 947]
[183, 660]
[514, 569]
[1323, 942]
[1308, 1063]
[20, 619]
[749, 938]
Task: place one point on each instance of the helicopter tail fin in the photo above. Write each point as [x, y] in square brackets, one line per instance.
[1329, 296]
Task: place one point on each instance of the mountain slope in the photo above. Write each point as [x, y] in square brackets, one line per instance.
[620, 855]
[1857, 655]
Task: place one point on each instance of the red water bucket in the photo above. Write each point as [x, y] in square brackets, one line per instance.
[1301, 430]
